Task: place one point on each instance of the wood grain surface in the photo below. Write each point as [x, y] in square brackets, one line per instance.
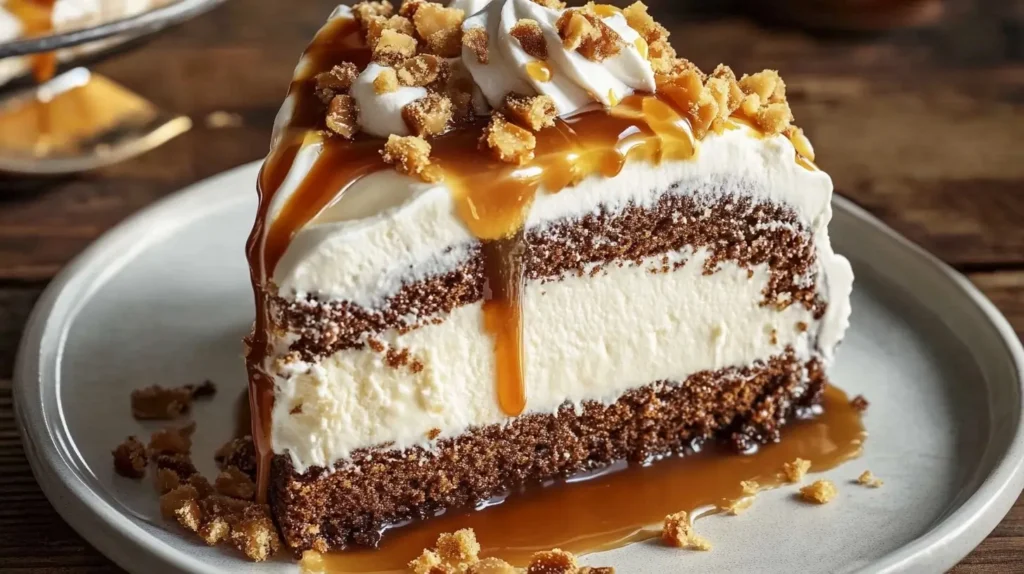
[922, 127]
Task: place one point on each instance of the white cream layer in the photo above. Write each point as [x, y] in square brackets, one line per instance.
[584, 339]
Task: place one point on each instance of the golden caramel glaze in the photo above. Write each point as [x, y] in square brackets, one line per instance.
[36, 17]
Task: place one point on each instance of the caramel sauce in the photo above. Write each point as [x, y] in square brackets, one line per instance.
[539, 70]
[617, 507]
[36, 17]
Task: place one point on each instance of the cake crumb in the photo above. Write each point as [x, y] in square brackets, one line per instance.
[573, 28]
[130, 458]
[677, 531]
[795, 471]
[428, 116]
[410, 155]
[639, 19]
[458, 548]
[235, 483]
[365, 11]
[255, 534]
[508, 142]
[583, 30]
[182, 504]
[819, 492]
[859, 403]
[555, 561]
[165, 480]
[426, 563]
[392, 47]
[335, 81]
[440, 28]
[421, 70]
[201, 484]
[536, 112]
[342, 116]
[181, 464]
[377, 24]
[160, 403]
[868, 479]
[802, 326]
[531, 38]
[476, 40]
[385, 82]
[172, 440]
[239, 452]
[215, 531]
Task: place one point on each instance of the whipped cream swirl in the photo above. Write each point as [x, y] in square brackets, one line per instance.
[575, 81]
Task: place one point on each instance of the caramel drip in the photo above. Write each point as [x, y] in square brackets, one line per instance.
[614, 508]
[36, 17]
[539, 70]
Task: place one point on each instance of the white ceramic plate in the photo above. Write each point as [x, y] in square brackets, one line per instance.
[164, 298]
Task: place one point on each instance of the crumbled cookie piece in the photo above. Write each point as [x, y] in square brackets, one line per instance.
[662, 56]
[640, 20]
[554, 561]
[531, 38]
[201, 484]
[440, 28]
[392, 47]
[750, 487]
[428, 116]
[534, 112]
[476, 40]
[172, 440]
[819, 491]
[677, 531]
[214, 531]
[130, 458]
[726, 78]
[803, 146]
[255, 534]
[868, 479]
[428, 562]
[422, 70]
[409, 8]
[160, 403]
[553, 4]
[767, 84]
[342, 116]
[507, 141]
[235, 483]
[584, 31]
[859, 403]
[458, 548]
[181, 464]
[410, 155]
[774, 118]
[335, 81]
[182, 504]
[165, 480]
[492, 566]
[366, 11]
[385, 82]
[378, 24]
[795, 471]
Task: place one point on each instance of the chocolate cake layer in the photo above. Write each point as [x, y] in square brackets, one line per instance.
[378, 488]
[733, 229]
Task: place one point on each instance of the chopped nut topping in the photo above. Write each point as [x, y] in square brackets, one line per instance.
[342, 116]
[440, 28]
[796, 470]
[428, 116]
[583, 30]
[130, 458]
[335, 81]
[159, 403]
[392, 47]
[661, 55]
[255, 534]
[410, 155]
[554, 561]
[531, 38]
[182, 504]
[378, 24]
[640, 20]
[235, 483]
[677, 531]
[422, 70]
[735, 94]
[767, 84]
[859, 403]
[366, 11]
[508, 142]
[476, 40]
[819, 491]
[536, 112]
[385, 82]
[172, 440]
[869, 480]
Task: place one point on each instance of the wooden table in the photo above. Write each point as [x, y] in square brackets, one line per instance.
[923, 128]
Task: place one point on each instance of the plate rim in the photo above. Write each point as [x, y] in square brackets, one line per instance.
[105, 527]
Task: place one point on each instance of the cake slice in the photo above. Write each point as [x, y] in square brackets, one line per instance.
[498, 248]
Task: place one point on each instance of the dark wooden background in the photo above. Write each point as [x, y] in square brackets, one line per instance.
[922, 127]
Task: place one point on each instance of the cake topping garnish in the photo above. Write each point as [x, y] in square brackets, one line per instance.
[476, 40]
[677, 531]
[343, 116]
[534, 112]
[172, 440]
[386, 81]
[410, 155]
[364, 12]
[130, 458]
[531, 37]
[868, 479]
[428, 116]
[392, 47]
[161, 403]
[795, 471]
[583, 30]
[377, 25]
[507, 141]
[440, 28]
[819, 491]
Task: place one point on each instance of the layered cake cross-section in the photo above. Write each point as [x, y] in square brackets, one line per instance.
[503, 247]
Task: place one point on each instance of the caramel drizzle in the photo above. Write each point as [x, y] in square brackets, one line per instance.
[36, 17]
[492, 198]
